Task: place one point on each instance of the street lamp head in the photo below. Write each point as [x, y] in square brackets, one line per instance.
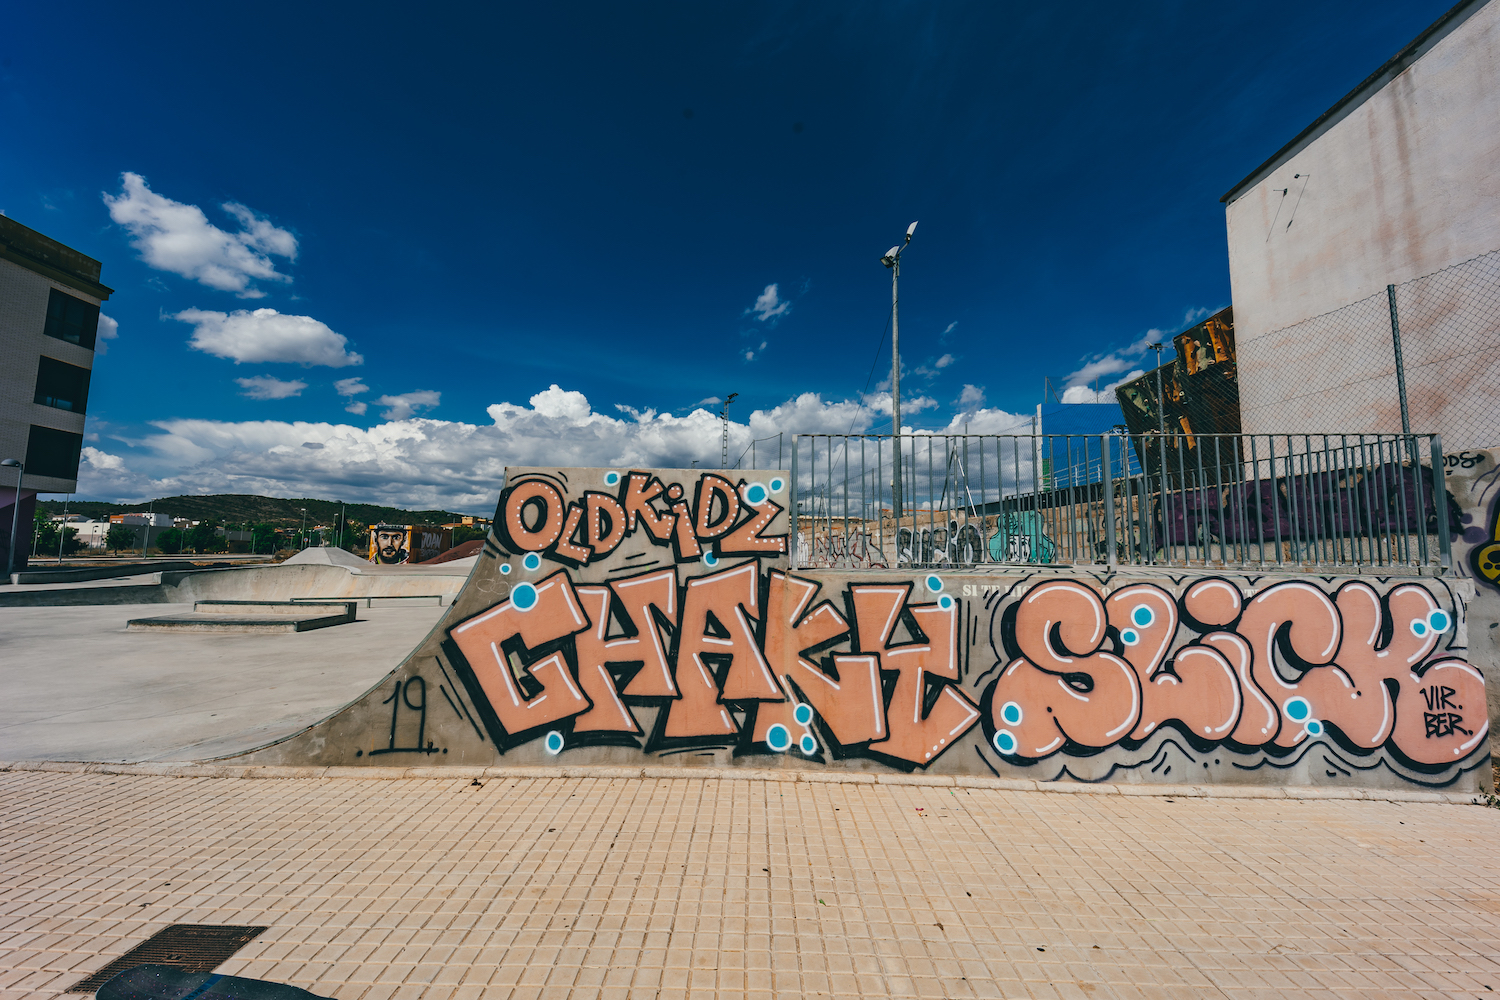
[909, 230]
[11, 463]
[891, 255]
[732, 397]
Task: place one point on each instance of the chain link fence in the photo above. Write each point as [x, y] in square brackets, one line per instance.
[1420, 356]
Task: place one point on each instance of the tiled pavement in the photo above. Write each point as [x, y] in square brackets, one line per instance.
[595, 887]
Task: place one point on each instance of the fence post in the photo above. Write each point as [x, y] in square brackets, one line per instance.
[1390, 293]
[791, 549]
[1108, 483]
[1440, 504]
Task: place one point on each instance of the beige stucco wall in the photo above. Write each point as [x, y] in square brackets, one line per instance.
[1403, 187]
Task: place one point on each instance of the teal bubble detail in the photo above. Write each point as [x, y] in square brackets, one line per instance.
[755, 494]
[802, 713]
[1418, 627]
[935, 583]
[1142, 615]
[808, 744]
[946, 602]
[611, 478]
[778, 484]
[709, 559]
[523, 596]
[1314, 727]
[1011, 713]
[778, 738]
[1005, 741]
[1297, 709]
[505, 569]
[554, 742]
[1439, 621]
[532, 561]
[1130, 637]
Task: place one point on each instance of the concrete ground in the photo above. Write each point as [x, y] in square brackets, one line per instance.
[534, 888]
[80, 687]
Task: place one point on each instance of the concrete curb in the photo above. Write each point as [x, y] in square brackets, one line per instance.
[1293, 793]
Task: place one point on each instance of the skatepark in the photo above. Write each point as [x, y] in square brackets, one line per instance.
[392, 819]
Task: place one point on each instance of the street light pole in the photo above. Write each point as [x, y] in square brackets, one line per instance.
[724, 418]
[15, 516]
[302, 542]
[892, 260]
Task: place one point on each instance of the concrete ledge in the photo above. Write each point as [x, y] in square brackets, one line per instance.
[170, 769]
[83, 574]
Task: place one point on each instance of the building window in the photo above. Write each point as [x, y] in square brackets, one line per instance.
[53, 453]
[73, 320]
[62, 385]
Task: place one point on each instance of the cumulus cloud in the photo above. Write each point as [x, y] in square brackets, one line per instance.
[1105, 393]
[970, 399]
[422, 462]
[266, 335]
[769, 305]
[403, 406]
[176, 237]
[1100, 366]
[349, 388]
[109, 329]
[266, 387]
[932, 369]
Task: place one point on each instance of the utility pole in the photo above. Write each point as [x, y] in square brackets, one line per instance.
[724, 419]
[892, 260]
[150, 513]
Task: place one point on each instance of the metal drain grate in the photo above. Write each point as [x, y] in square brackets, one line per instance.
[189, 947]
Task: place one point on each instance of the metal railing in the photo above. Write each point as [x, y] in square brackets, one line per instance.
[1262, 501]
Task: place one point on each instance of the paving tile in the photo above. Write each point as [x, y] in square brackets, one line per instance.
[582, 886]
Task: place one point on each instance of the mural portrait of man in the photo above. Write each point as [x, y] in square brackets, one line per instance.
[388, 545]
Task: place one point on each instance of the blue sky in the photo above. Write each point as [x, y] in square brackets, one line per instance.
[453, 210]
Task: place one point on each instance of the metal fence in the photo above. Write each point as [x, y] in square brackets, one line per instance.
[1263, 501]
[1424, 353]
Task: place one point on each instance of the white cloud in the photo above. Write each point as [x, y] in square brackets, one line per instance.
[943, 362]
[970, 399]
[768, 305]
[172, 236]
[358, 409]
[421, 462]
[403, 406]
[266, 335]
[948, 329]
[1099, 366]
[1105, 393]
[109, 329]
[266, 387]
[350, 387]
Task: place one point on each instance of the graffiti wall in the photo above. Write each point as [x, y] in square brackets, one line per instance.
[651, 617]
[1473, 479]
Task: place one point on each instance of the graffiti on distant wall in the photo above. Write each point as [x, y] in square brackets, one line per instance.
[659, 614]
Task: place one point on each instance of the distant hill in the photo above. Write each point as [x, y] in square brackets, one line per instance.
[235, 508]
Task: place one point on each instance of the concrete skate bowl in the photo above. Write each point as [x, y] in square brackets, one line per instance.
[102, 692]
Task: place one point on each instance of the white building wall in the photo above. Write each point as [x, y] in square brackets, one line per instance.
[1406, 185]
